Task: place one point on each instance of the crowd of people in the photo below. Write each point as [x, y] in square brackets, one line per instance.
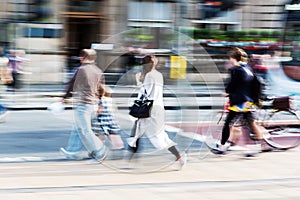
[11, 68]
[94, 109]
[93, 102]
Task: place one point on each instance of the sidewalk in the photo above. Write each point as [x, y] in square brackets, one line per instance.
[269, 176]
[39, 97]
[273, 175]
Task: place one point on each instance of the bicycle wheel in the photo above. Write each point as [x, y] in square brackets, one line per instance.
[284, 130]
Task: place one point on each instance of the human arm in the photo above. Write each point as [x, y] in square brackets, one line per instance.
[138, 78]
[148, 85]
[69, 90]
[235, 76]
[100, 107]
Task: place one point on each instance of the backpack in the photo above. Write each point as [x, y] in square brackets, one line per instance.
[256, 89]
[256, 85]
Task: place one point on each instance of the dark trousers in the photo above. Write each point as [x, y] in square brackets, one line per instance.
[226, 128]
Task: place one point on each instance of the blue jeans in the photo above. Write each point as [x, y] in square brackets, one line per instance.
[2, 109]
[82, 137]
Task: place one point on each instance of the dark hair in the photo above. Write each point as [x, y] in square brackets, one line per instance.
[147, 59]
[143, 59]
[147, 66]
[239, 54]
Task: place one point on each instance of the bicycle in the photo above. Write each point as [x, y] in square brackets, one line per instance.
[283, 134]
[282, 120]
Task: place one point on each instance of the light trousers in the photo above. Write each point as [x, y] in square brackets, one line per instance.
[82, 138]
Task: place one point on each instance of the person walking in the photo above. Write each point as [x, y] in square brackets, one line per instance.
[5, 78]
[244, 92]
[15, 65]
[151, 81]
[85, 87]
[105, 123]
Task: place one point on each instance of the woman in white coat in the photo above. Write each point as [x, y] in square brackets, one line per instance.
[151, 81]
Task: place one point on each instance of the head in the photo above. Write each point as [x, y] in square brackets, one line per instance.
[12, 53]
[107, 91]
[238, 55]
[149, 63]
[88, 56]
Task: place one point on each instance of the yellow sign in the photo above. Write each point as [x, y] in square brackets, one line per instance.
[178, 67]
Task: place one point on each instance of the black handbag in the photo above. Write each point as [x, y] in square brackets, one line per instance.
[282, 103]
[141, 108]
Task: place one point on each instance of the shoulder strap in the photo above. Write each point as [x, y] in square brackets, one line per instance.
[247, 69]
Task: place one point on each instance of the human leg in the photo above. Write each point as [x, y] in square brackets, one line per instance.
[222, 148]
[3, 113]
[257, 129]
[175, 152]
[83, 116]
[226, 128]
[235, 134]
[74, 142]
[162, 141]
[75, 149]
[180, 158]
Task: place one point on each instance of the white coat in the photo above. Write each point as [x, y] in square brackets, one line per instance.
[154, 126]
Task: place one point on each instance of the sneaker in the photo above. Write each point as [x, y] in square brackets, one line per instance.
[71, 155]
[252, 150]
[182, 161]
[3, 115]
[220, 150]
[227, 145]
[100, 156]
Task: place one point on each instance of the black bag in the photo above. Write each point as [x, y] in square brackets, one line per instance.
[256, 89]
[282, 103]
[141, 108]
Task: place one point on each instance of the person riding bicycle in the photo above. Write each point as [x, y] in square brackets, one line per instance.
[244, 92]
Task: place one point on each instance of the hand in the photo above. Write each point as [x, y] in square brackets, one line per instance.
[65, 101]
[138, 76]
[154, 60]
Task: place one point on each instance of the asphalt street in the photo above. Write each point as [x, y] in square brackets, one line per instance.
[39, 134]
[31, 166]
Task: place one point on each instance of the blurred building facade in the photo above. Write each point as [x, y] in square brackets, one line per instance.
[237, 15]
[53, 31]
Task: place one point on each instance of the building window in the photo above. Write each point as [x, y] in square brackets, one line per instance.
[149, 11]
[42, 33]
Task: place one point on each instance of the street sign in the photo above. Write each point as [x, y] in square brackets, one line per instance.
[178, 67]
[100, 46]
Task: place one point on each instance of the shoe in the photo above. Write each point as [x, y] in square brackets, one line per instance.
[250, 155]
[252, 150]
[100, 156]
[266, 148]
[3, 114]
[220, 150]
[182, 161]
[227, 145]
[71, 155]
